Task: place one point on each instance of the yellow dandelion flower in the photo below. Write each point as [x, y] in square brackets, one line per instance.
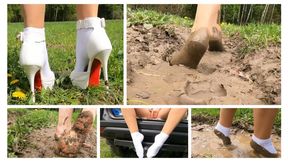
[14, 81]
[19, 94]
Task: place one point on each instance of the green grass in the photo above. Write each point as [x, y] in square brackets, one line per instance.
[27, 120]
[243, 115]
[155, 18]
[61, 43]
[105, 150]
[255, 36]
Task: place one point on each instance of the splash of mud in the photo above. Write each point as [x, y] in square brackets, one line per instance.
[206, 144]
[221, 77]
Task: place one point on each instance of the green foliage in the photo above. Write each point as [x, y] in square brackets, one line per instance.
[256, 36]
[61, 40]
[152, 17]
[105, 149]
[26, 122]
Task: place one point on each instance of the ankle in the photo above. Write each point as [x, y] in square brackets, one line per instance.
[223, 129]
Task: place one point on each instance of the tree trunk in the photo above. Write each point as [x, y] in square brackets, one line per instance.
[272, 13]
[249, 13]
[264, 13]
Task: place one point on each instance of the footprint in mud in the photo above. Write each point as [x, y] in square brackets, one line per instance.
[201, 92]
[205, 69]
[41, 144]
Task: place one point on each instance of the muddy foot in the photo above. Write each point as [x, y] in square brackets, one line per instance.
[215, 40]
[70, 143]
[261, 150]
[193, 50]
[226, 140]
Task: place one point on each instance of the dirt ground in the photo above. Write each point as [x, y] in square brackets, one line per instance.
[221, 77]
[42, 145]
[206, 144]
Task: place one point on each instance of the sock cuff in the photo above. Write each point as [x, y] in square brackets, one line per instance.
[135, 134]
[261, 141]
[91, 22]
[33, 34]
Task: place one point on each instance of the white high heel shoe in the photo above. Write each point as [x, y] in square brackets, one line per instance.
[32, 59]
[98, 50]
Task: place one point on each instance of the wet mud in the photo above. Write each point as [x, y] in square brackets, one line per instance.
[221, 77]
[41, 144]
[205, 144]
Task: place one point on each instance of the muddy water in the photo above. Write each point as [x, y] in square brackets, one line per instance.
[219, 79]
[42, 144]
[206, 144]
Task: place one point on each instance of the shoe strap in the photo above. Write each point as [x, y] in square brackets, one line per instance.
[93, 22]
[32, 37]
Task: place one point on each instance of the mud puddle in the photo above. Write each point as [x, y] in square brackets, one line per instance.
[221, 77]
[41, 144]
[206, 144]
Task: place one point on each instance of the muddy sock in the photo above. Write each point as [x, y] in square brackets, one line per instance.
[158, 143]
[222, 129]
[137, 141]
[265, 143]
[193, 49]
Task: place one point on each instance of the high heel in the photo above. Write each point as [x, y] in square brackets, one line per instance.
[32, 59]
[31, 71]
[98, 50]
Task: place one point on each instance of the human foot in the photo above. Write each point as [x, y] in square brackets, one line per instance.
[137, 139]
[193, 50]
[223, 133]
[156, 146]
[264, 147]
[215, 39]
[71, 141]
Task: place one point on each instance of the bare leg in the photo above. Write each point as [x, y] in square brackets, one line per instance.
[129, 115]
[226, 117]
[92, 111]
[174, 117]
[34, 15]
[163, 113]
[86, 10]
[222, 129]
[263, 122]
[206, 16]
[64, 121]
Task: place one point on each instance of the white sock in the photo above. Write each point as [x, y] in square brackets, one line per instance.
[222, 129]
[137, 141]
[266, 143]
[37, 35]
[81, 55]
[158, 143]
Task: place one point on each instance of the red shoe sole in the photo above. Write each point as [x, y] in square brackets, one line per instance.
[94, 79]
[37, 81]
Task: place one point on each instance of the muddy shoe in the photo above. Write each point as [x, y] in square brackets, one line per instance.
[215, 40]
[226, 140]
[70, 142]
[261, 150]
[193, 50]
